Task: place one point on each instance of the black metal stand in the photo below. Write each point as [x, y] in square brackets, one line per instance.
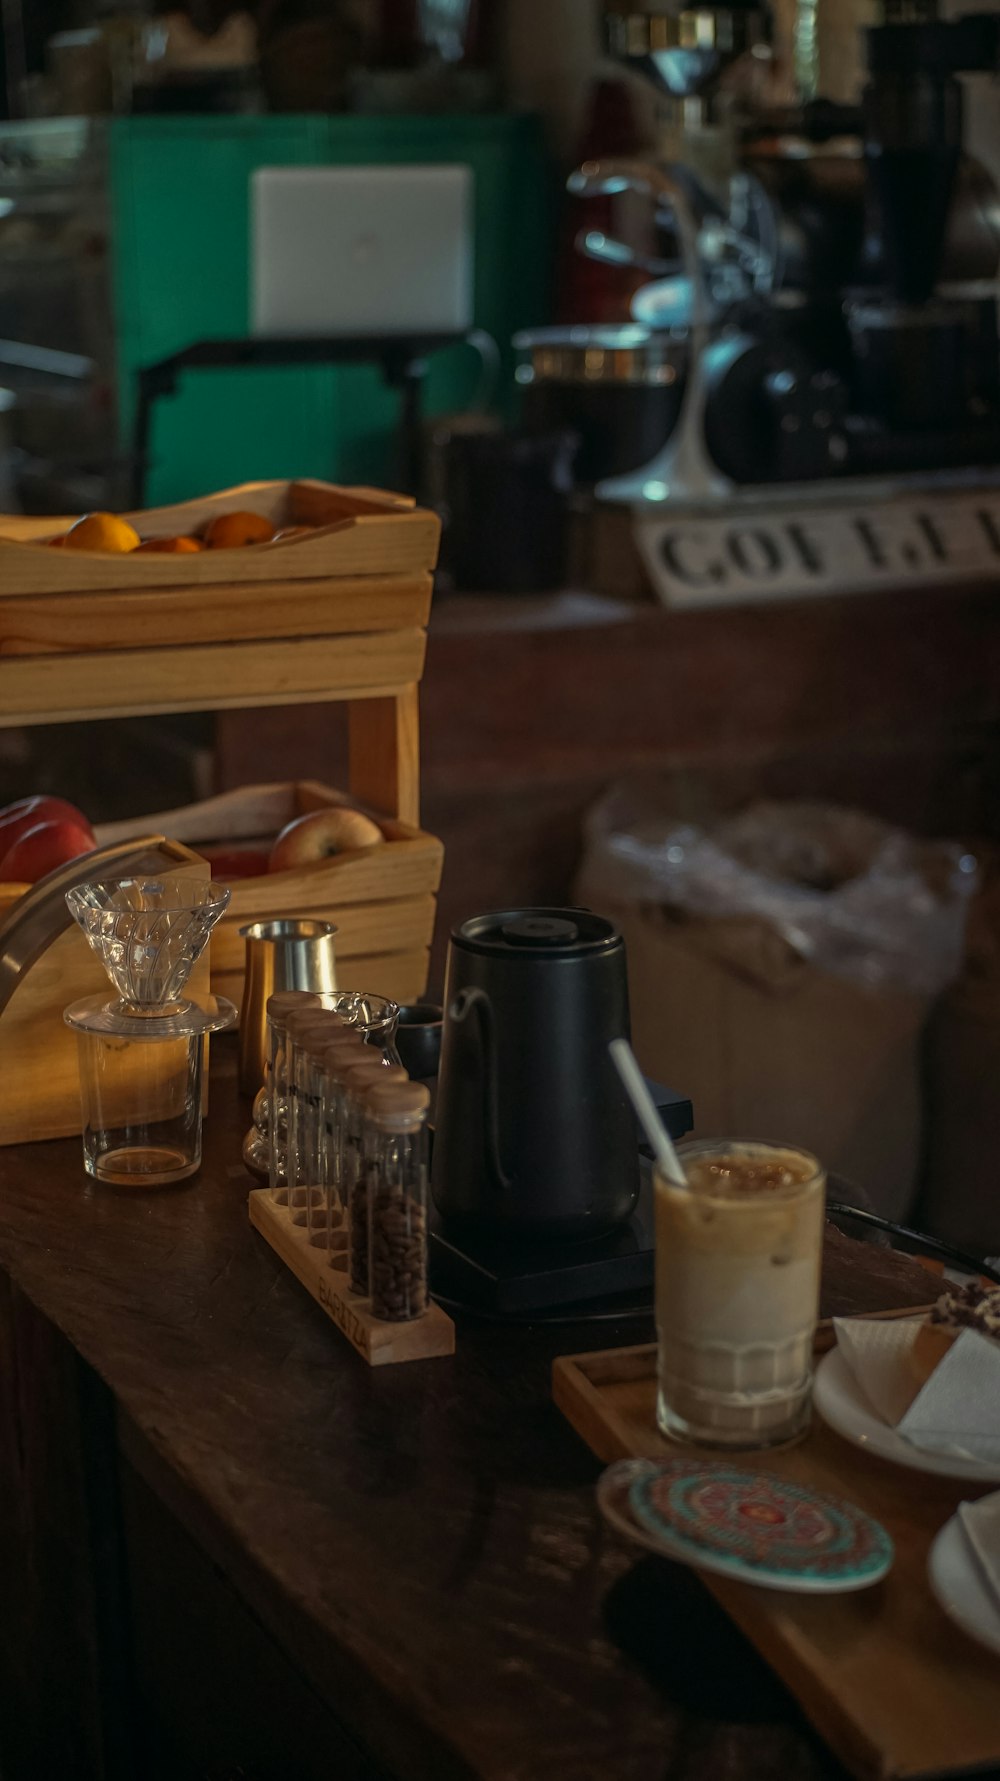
[402, 360]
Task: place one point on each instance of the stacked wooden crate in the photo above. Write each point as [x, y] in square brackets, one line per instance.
[336, 613]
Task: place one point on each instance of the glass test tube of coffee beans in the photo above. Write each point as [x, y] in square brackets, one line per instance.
[311, 1033]
[297, 1026]
[396, 1156]
[279, 1007]
[360, 1078]
[338, 1059]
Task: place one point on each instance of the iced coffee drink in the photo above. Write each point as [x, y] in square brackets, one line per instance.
[737, 1293]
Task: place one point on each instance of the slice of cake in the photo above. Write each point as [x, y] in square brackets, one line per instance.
[969, 1307]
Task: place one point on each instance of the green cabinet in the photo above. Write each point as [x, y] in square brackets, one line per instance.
[180, 207]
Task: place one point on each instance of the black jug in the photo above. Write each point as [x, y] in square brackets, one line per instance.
[534, 1133]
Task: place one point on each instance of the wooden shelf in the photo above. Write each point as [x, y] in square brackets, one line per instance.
[337, 613]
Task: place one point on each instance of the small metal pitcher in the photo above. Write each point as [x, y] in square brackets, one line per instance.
[288, 953]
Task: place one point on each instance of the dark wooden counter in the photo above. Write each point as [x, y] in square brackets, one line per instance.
[227, 1547]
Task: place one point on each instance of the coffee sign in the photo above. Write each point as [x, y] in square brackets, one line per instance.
[757, 553]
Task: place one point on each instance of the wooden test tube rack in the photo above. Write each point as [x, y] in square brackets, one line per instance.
[325, 1278]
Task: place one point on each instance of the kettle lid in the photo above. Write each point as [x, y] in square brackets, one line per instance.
[546, 933]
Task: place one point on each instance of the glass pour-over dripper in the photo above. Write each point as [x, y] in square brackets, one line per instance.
[142, 1054]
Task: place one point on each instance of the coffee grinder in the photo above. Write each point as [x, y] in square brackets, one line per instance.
[830, 270]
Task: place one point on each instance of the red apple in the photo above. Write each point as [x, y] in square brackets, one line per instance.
[27, 813]
[235, 862]
[321, 835]
[40, 850]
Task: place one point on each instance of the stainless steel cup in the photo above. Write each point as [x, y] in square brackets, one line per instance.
[293, 953]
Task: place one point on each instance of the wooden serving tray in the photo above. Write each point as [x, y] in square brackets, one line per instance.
[884, 1676]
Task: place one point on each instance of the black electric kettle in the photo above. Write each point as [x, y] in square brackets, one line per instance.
[534, 1134]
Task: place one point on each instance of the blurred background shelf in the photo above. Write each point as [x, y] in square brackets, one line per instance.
[114, 247]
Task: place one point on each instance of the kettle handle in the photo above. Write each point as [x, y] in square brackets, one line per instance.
[476, 1000]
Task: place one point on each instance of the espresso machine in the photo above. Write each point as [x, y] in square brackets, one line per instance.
[825, 273]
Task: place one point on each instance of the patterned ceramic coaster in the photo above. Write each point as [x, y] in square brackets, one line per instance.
[760, 1529]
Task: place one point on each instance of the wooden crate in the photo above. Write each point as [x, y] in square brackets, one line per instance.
[360, 532]
[38, 1051]
[338, 613]
[382, 899]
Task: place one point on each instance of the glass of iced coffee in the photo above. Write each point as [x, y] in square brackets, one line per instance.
[737, 1293]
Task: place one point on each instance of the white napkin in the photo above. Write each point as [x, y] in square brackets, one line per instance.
[957, 1411]
[876, 1353]
[981, 1522]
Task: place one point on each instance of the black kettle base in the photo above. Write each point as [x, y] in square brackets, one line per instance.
[510, 1277]
[520, 1278]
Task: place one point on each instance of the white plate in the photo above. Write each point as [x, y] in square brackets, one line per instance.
[842, 1403]
[957, 1581]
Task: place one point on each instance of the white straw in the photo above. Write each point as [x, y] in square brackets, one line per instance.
[646, 1112]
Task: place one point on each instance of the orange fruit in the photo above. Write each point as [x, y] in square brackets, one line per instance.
[57, 542]
[101, 531]
[228, 531]
[180, 546]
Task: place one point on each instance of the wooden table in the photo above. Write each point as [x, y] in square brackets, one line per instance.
[228, 1547]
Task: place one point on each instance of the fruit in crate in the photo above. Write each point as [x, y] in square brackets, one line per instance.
[101, 531]
[231, 531]
[16, 819]
[226, 531]
[321, 835]
[172, 546]
[41, 849]
[228, 863]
